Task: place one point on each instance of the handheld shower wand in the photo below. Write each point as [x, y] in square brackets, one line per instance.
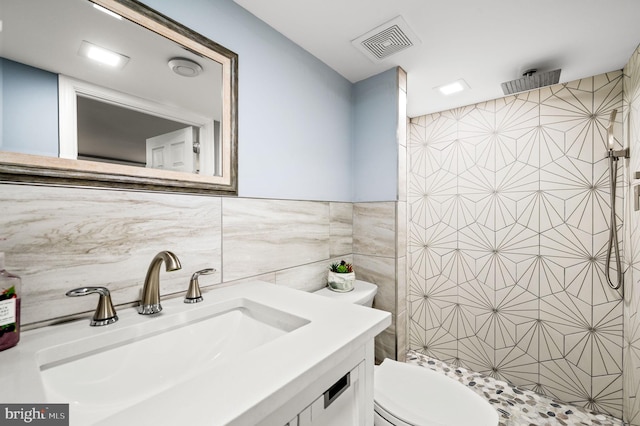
[614, 244]
[610, 138]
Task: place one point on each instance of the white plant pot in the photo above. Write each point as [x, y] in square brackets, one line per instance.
[341, 282]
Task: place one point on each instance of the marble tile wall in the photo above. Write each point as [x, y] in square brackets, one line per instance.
[59, 238]
[508, 206]
[267, 235]
[631, 352]
[374, 254]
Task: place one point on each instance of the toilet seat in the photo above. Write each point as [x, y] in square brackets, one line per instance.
[409, 395]
[385, 418]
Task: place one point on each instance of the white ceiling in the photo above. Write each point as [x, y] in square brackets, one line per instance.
[484, 42]
[47, 34]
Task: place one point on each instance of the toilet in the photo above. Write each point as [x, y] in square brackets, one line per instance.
[409, 395]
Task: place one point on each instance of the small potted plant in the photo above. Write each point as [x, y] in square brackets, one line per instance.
[341, 276]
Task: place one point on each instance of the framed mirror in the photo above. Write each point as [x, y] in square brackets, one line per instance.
[110, 93]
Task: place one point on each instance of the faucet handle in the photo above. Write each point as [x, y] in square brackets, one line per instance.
[105, 312]
[193, 293]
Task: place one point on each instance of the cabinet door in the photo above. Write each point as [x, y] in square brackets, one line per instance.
[293, 422]
[340, 405]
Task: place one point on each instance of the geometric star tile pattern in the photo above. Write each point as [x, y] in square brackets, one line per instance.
[631, 230]
[508, 219]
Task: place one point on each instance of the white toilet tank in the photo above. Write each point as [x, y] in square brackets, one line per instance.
[362, 294]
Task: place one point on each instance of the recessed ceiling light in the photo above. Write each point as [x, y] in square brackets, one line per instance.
[454, 87]
[102, 55]
[107, 11]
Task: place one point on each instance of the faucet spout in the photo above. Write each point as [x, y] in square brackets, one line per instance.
[150, 300]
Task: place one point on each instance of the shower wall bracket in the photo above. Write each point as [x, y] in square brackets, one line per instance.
[621, 153]
[636, 193]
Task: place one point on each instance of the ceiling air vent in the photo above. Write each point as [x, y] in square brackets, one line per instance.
[386, 40]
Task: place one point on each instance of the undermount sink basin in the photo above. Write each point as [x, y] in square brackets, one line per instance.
[134, 363]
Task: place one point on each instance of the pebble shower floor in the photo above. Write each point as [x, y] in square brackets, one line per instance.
[515, 406]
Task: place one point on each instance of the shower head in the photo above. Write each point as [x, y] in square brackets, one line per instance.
[610, 138]
[531, 79]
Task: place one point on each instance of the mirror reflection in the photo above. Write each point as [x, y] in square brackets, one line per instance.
[82, 83]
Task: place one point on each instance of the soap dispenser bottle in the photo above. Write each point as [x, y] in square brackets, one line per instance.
[10, 288]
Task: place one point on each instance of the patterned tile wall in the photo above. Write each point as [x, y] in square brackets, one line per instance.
[631, 354]
[508, 206]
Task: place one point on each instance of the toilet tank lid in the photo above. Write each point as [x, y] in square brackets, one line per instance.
[362, 291]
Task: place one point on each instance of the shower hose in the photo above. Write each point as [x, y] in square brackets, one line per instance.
[614, 244]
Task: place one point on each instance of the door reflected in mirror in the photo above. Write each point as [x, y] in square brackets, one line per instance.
[110, 88]
[112, 134]
[178, 151]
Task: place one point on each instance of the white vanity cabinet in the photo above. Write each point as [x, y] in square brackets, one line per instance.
[347, 400]
[342, 404]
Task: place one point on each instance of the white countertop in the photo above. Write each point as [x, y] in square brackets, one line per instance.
[241, 391]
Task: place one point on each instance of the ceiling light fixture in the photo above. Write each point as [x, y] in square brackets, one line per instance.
[185, 67]
[107, 11]
[102, 55]
[454, 87]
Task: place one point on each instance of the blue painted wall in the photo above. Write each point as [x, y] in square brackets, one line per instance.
[375, 141]
[294, 111]
[29, 109]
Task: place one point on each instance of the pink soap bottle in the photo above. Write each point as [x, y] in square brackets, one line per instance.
[10, 288]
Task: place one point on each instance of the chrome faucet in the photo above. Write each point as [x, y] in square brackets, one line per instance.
[150, 300]
[105, 313]
[194, 295]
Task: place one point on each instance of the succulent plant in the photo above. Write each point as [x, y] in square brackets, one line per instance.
[341, 268]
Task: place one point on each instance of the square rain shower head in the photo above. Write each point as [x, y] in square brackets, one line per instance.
[531, 80]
